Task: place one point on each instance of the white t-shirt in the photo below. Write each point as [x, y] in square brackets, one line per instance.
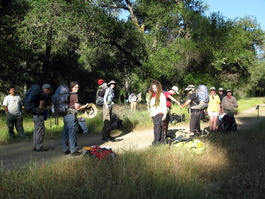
[13, 104]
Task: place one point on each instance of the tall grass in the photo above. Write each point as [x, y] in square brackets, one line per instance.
[232, 166]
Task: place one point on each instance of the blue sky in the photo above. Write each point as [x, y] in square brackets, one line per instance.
[239, 8]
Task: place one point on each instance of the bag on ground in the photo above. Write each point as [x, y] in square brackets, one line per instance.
[194, 145]
[31, 97]
[60, 100]
[98, 152]
[203, 96]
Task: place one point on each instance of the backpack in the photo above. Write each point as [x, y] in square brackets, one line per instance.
[31, 97]
[100, 94]
[203, 96]
[60, 99]
[133, 98]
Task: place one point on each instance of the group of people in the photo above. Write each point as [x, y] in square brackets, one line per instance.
[158, 103]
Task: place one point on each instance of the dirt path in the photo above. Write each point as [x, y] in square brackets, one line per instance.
[20, 154]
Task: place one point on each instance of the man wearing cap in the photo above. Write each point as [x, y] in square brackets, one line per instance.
[213, 109]
[193, 100]
[229, 104]
[12, 106]
[221, 94]
[169, 98]
[107, 111]
[43, 107]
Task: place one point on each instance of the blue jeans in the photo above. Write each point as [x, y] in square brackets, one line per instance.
[69, 133]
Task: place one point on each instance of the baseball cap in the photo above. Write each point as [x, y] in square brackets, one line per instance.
[175, 88]
[229, 90]
[190, 87]
[46, 86]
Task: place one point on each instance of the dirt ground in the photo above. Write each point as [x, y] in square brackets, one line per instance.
[17, 155]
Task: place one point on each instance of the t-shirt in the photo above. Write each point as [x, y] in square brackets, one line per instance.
[43, 96]
[73, 99]
[194, 99]
[168, 100]
[214, 100]
[13, 104]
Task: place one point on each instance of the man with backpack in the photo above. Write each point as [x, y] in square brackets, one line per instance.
[100, 92]
[12, 106]
[107, 111]
[193, 101]
[229, 104]
[43, 108]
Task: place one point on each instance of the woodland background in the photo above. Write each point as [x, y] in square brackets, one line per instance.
[173, 41]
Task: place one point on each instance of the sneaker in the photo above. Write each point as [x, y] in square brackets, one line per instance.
[67, 152]
[42, 149]
[75, 153]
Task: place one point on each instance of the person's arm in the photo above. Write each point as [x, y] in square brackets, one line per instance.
[6, 109]
[174, 100]
[186, 103]
[41, 106]
[106, 96]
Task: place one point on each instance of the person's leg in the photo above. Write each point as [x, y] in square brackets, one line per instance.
[158, 133]
[19, 125]
[72, 128]
[106, 123]
[10, 125]
[39, 131]
[65, 136]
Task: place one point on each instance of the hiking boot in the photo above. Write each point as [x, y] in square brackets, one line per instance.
[75, 153]
[42, 149]
[67, 152]
[34, 149]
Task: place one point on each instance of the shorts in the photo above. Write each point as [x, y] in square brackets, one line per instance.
[212, 113]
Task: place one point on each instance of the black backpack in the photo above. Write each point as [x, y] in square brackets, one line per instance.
[31, 98]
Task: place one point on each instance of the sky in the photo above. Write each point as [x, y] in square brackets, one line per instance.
[239, 8]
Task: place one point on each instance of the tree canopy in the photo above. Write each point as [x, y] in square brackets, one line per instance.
[173, 41]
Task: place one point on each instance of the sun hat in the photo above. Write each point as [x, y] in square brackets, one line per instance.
[229, 90]
[212, 88]
[46, 86]
[175, 89]
[112, 82]
[190, 87]
[91, 111]
[220, 89]
[101, 81]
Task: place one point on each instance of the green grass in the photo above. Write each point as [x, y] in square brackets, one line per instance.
[232, 166]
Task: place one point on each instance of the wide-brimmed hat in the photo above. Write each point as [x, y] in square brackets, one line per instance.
[190, 87]
[46, 86]
[212, 88]
[112, 82]
[229, 90]
[175, 89]
[220, 89]
[91, 111]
